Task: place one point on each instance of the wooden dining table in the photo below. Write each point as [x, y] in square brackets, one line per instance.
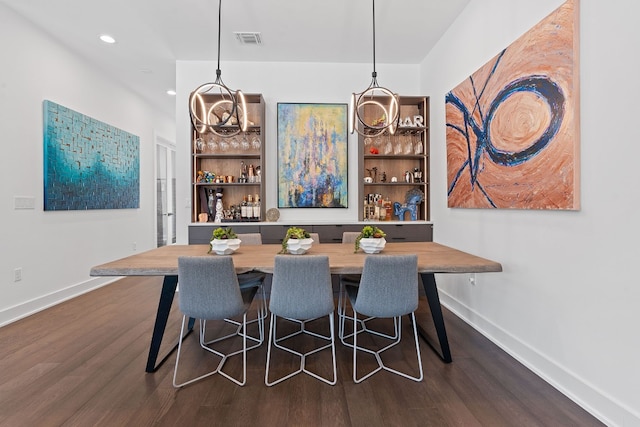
[432, 258]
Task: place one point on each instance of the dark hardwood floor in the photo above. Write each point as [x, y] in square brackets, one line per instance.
[81, 363]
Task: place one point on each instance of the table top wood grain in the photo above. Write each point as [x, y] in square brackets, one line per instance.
[432, 258]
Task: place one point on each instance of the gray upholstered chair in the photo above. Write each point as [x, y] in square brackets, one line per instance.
[300, 291]
[388, 289]
[209, 290]
[349, 237]
[254, 279]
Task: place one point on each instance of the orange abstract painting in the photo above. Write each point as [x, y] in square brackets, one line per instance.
[512, 126]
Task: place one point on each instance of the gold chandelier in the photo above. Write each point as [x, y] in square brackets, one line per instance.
[226, 116]
[381, 105]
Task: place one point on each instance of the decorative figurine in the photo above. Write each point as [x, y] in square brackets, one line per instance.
[412, 199]
[219, 208]
[417, 175]
[210, 204]
[373, 173]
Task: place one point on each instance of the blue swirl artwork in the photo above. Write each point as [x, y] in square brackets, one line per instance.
[88, 164]
[512, 126]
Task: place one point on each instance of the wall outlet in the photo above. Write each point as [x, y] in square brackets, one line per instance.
[17, 274]
[24, 202]
[472, 278]
[134, 246]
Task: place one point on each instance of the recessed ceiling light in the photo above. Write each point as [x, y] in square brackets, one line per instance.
[107, 38]
[171, 92]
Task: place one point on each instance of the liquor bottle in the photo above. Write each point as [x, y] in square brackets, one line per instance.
[249, 207]
[252, 175]
[382, 211]
[256, 207]
[389, 209]
[243, 208]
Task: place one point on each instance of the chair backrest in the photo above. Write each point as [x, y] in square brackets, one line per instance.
[388, 286]
[250, 238]
[209, 287]
[301, 287]
[350, 236]
[315, 237]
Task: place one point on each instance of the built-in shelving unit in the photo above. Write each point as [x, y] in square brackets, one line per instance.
[393, 164]
[219, 164]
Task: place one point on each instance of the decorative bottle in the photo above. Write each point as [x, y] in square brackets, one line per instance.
[243, 208]
[388, 209]
[256, 207]
[219, 206]
[249, 207]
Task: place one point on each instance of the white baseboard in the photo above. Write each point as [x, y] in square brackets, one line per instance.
[19, 311]
[594, 401]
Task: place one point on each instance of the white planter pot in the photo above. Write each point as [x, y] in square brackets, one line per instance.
[299, 246]
[225, 246]
[372, 245]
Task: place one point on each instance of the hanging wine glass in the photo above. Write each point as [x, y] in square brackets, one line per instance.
[244, 144]
[234, 144]
[397, 147]
[388, 147]
[418, 146]
[212, 145]
[408, 144]
[199, 143]
[255, 142]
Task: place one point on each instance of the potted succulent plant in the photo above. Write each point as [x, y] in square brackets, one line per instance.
[371, 240]
[224, 241]
[296, 241]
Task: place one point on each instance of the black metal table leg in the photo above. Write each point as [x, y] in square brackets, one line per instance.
[431, 290]
[169, 286]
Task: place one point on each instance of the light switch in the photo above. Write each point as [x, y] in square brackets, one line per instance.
[23, 202]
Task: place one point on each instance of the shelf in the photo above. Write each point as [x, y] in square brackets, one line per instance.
[394, 184]
[395, 156]
[227, 184]
[225, 156]
[405, 129]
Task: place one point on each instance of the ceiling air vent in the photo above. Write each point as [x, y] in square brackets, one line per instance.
[248, 38]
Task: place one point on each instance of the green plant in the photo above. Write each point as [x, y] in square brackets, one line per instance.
[224, 233]
[369, 231]
[293, 233]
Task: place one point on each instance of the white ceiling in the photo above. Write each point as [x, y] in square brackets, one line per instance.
[152, 34]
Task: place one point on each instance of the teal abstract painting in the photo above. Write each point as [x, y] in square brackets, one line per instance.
[88, 164]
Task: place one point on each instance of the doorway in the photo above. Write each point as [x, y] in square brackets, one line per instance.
[165, 192]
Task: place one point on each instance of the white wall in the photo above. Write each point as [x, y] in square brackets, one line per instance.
[566, 303]
[56, 249]
[283, 82]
